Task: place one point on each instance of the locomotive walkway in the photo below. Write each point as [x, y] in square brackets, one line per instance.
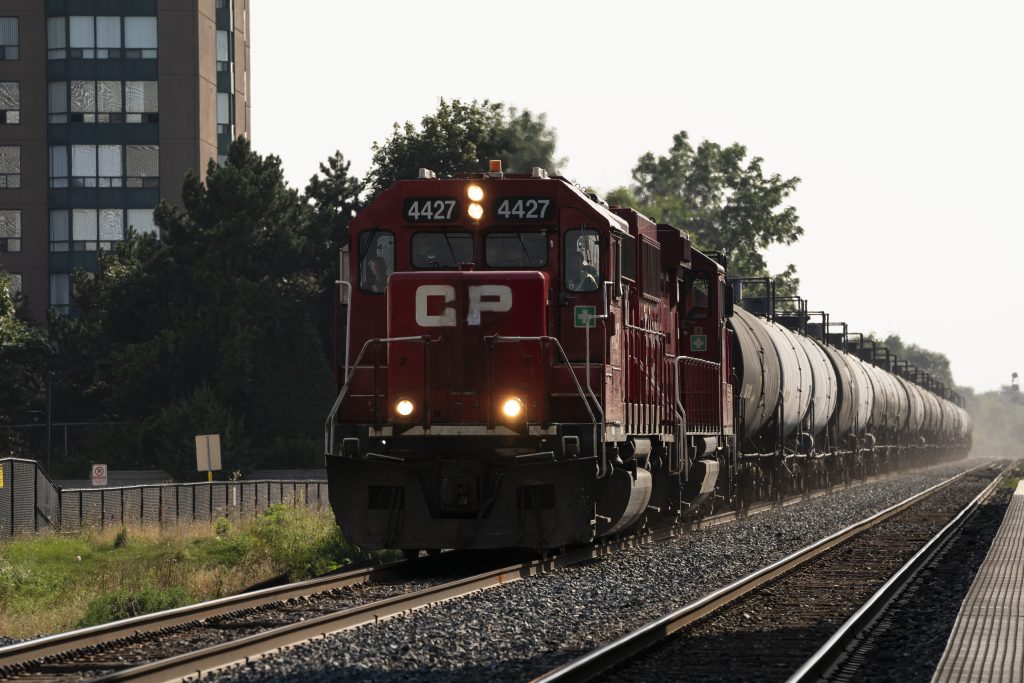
[987, 643]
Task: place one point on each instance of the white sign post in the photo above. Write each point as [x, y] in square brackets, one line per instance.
[98, 474]
[208, 454]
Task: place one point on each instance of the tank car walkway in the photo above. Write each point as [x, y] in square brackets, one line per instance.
[987, 642]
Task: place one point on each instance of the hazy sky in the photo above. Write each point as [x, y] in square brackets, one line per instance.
[904, 120]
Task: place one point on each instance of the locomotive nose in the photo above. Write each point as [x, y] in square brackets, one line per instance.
[461, 373]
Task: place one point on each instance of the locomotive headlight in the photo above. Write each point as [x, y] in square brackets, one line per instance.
[475, 211]
[512, 407]
[475, 193]
[404, 407]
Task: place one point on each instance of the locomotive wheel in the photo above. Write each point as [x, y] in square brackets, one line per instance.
[410, 554]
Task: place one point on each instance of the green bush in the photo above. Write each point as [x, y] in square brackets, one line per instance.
[124, 604]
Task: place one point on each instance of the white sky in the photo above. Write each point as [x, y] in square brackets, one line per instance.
[904, 120]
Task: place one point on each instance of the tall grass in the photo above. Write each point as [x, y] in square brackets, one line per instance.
[51, 583]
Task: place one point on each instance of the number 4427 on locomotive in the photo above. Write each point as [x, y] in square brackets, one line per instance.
[521, 365]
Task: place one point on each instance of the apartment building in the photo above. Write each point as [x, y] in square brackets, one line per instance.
[104, 106]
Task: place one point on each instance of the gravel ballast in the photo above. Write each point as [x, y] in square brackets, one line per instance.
[522, 629]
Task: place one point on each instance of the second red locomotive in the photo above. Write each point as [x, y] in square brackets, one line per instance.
[521, 365]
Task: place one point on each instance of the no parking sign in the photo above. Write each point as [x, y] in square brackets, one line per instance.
[98, 475]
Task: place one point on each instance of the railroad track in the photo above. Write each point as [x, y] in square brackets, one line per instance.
[744, 619]
[163, 645]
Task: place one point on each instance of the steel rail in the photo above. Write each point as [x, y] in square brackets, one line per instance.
[620, 650]
[215, 657]
[837, 649]
[93, 635]
[39, 648]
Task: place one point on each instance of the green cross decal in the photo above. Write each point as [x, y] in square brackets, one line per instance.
[585, 316]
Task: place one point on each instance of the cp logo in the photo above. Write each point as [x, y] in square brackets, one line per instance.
[491, 298]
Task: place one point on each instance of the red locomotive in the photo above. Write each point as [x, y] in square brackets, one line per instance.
[521, 365]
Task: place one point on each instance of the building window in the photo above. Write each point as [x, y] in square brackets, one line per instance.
[56, 38]
[83, 37]
[105, 166]
[223, 50]
[59, 166]
[14, 286]
[142, 163]
[60, 292]
[10, 102]
[140, 37]
[8, 37]
[58, 107]
[108, 37]
[142, 101]
[224, 118]
[104, 102]
[84, 229]
[96, 229]
[10, 167]
[96, 166]
[10, 230]
[60, 230]
[141, 221]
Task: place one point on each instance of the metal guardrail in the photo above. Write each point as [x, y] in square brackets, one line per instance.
[30, 502]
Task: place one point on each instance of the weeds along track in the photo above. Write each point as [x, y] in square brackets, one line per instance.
[765, 626]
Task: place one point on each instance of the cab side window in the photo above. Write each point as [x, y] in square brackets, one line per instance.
[699, 299]
[582, 262]
[376, 260]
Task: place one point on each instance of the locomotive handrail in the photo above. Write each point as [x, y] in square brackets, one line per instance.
[498, 339]
[329, 425]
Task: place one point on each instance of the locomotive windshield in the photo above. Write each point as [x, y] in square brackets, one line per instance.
[441, 249]
[517, 250]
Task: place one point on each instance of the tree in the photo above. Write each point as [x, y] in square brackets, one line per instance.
[461, 137]
[334, 197]
[934, 363]
[24, 354]
[725, 202]
[211, 328]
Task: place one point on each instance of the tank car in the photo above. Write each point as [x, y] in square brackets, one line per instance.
[521, 365]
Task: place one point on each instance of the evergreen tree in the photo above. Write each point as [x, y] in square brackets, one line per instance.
[211, 328]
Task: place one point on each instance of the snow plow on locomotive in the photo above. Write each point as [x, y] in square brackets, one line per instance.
[521, 365]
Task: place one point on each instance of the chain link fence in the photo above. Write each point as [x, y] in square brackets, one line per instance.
[30, 502]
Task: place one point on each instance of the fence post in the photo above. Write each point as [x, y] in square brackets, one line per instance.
[210, 487]
[80, 503]
[60, 510]
[35, 498]
[193, 504]
[160, 505]
[122, 507]
[103, 508]
[11, 479]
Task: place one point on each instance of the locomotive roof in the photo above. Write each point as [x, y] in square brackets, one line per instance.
[580, 199]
